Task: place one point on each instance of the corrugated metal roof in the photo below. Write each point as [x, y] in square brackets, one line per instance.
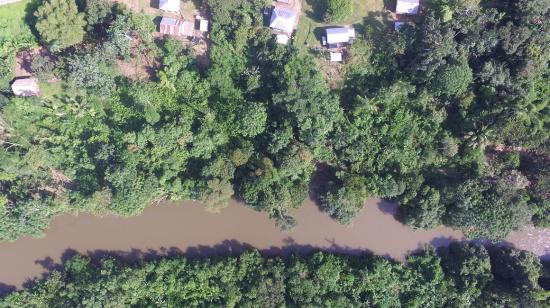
[407, 6]
[25, 87]
[168, 21]
[283, 19]
[169, 5]
[339, 35]
[335, 57]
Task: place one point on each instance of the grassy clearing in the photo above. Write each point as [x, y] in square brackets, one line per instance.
[311, 26]
[49, 90]
[14, 11]
[12, 18]
[311, 29]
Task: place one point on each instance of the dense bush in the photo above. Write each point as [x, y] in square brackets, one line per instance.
[449, 118]
[59, 23]
[464, 275]
[337, 10]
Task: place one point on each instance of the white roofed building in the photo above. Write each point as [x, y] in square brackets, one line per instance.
[25, 87]
[341, 35]
[203, 25]
[283, 19]
[169, 5]
[409, 7]
[335, 57]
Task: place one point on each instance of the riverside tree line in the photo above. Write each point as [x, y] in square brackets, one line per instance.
[462, 275]
[448, 116]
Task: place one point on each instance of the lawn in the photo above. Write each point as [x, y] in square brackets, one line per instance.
[309, 32]
[12, 20]
[14, 13]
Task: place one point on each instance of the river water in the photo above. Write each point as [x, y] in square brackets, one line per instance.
[187, 228]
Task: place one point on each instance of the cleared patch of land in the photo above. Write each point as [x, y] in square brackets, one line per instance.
[309, 32]
[311, 28]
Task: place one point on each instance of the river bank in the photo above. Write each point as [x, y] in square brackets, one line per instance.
[187, 228]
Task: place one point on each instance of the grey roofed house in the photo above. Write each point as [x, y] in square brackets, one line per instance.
[340, 35]
[283, 19]
[25, 87]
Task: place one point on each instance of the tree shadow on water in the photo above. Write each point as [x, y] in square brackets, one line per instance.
[226, 248]
[6, 289]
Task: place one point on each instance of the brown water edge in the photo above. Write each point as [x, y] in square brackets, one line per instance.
[188, 228]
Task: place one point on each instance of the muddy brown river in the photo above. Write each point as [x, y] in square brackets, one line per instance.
[187, 228]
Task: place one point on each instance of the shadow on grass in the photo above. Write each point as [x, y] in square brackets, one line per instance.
[30, 19]
[318, 8]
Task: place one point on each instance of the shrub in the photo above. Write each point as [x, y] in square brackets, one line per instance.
[338, 10]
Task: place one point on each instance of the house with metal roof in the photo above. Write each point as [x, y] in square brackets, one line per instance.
[408, 7]
[25, 87]
[339, 35]
[283, 19]
[170, 5]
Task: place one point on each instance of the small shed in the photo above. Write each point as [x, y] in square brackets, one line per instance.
[170, 5]
[340, 35]
[25, 87]
[170, 26]
[282, 39]
[335, 57]
[283, 19]
[203, 25]
[409, 7]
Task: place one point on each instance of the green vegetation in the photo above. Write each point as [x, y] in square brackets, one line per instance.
[337, 10]
[313, 20]
[15, 35]
[450, 119]
[464, 275]
[59, 23]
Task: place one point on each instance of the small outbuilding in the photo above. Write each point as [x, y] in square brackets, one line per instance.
[171, 26]
[203, 25]
[335, 57]
[408, 7]
[283, 19]
[25, 87]
[340, 35]
[170, 5]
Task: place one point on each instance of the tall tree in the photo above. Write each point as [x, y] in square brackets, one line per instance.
[59, 23]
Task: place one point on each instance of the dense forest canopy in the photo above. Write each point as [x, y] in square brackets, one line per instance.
[463, 275]
[448, 116]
